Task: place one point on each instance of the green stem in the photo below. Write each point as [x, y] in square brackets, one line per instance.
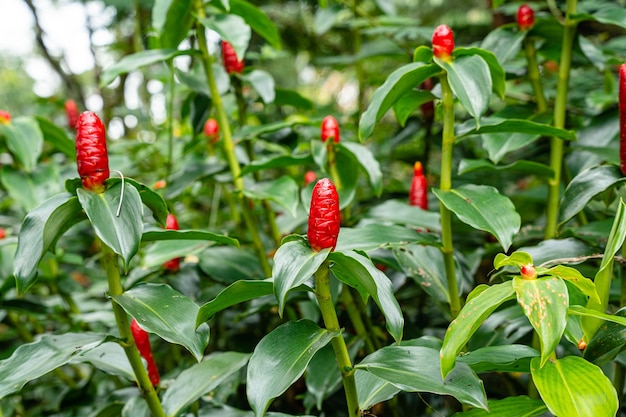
[445, 184]
[355, 317]
[110, 263]
[534, 75]
[560, 103]
[371, 330]
[329, 315]
[619, 373]
[170, 115]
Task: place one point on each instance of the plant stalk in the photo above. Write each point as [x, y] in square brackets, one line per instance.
[170, 115]
[560, 104]
[329, 315]
[355, 317]
[534, 75]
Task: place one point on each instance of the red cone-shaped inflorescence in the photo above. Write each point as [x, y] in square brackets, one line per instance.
[92, 157]
[330, 129]
[418, 196]
[324, 216]
[525, 17]
[528, 271]
[5, 117]
[142, 341]
[211, 130]
[229, 58]
[622, 117]
[443, 42]
[71, 111]
[309, 177]
[171, 223]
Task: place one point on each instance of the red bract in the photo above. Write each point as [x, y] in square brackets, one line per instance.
[71, 111]
[324, 216]
[525, 17]
[5, 117]
[309, 177]
[171, 223]
[229, 58]
[92, 157]
[622, 117]
[528, 271]
[443, 42]
[211, 130]
[330, 129]
[3, 233]
[142, 341]
[418, 196]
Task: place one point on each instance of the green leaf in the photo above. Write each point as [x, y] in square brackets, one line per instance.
[573, 387]
[520, 126]
[283, 191]
[263, 84]
[231, 28]
[483, 208]
[504, 42]
[587, 312]
[164, 250]
[496, 71]
[423, 54]
[608, 342]
[400, 212]
[470, 81]
[149, 197]
[372, 390]
[258, 21]
[518, 167]
[172, 316]
[348, 170]
[33, 360]
[545, 302]
[294, 263]
[373, 236]
[39, 232]
[611, 16]
[120, 233]
[25, 141]
[520, 406]
[424, 264]
[190, 173]
[29, 189]
[107, 357]
[359, 272]
[201, 378]
[585, 186]
[481, 303]
[57, 137]
[273, 162]
[504, 358]
[275, 365]
[517, 259]
[323, 376]
[408, 103]
[228, 264]
[137, 60]
[176, 24]
[395, 86]
[584, 284]
[368, 162]
[416, 369]
[237, 292]
[197, 235]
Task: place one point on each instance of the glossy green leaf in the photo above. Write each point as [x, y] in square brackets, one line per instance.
[30, 189]
[408, 103]
[164, 250]
[231, 28]
[400, 212]
[587, 312]
[574, 387]
[281, 161]
[322, 376]
[359, 272]
[481, 303]
[545, 303]
[504, 358]
[137, 60]
[395, 86]
[263, 84]
[190, 173]
[247, 132]
[149, 198]
[471, 83]
[33, 360]
[372, 389]
[294, 263]
[258, 21]
[39, 232]
[228, 264]
[517, 259]
[199, 235]
[498, 76]
[504, 42]
[483, 208]
[416, 369]
[610, 15]
[283, 191]
[521, 126]
[424, 264]
[275, 365]
[177, 21]
[608, 342]
[368, 163]
[201, 378]
[584, 284]
[57, 137]
[237, 292]
[348, 168]
[518, 167]
[287, 97]
[373, 236]
[423, 54]
[120, 233]
[107, 357]
[161, 310]
[25, 141]
[585, 186]
[520, 406]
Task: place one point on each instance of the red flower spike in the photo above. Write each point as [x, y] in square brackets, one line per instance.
[92, 157]
[71, 111]
[582, 345]
[5, 117]
[229, 58]
[309, 177]
[525, 17]
[160, 184]
[3, 233]
[528, 271]
[443, 42]
[418, 196]
[324, 216]
[330, 129]
[142, 341]
[211, 130]
[171, 223]
[622, 117]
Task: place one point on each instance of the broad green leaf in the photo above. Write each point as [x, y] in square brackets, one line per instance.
[475, 311]
[400, 212]
[149, 197]
[108, 357]
[57, 137]
[258, 21]
[408, 103]
[175, 25]
[191, 173]
[521, 126]
[416, 369]
[517, 259]
[608, 342]
[483, 208]
[228, 264]
[263, 84]
[423, 54]
[275, 364]
[283, 191]
[518, 167]
[587, 312]
[373, 236]
[39, 232]
[545, 302]
[248, 132]
[574, 387]
[387, 6]
[33, 360]
[585, 186]
[396, 85]
[120, 233]
[323, 376]
[368, 162]
[164, 250]
[237, 292]
[137, 60]
[198, 235]
[231, 28]
[372, 390]
[161, 310]
[24, 139]
[287, 97]
[348, 169]
[610, 15]
[504, 358]
[424, 264]
[294, 263]
[498, 76]
[584, 284]
[470, 81]
[273, 162]
[201, 378]
[359, 272]
[504, 42]
[520, 406]
[30, 189]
